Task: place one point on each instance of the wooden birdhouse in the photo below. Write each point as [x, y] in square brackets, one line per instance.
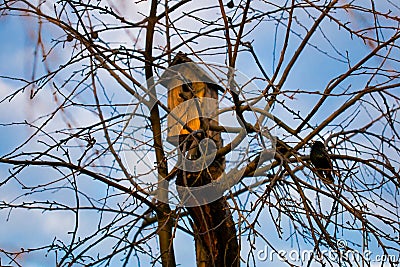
[192, 95]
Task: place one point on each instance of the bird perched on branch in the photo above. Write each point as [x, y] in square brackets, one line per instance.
[322, 162]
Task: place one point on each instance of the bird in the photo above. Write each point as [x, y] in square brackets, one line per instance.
[320, 159]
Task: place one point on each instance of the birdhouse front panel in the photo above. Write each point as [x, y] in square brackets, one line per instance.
[187, 114]
[188, 84]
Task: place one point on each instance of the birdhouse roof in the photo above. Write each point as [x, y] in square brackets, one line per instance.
[183, 70]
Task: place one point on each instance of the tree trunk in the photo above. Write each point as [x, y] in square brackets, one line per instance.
[213, 225]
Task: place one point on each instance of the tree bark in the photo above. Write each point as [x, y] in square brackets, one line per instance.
[165, 222]
[213, 225]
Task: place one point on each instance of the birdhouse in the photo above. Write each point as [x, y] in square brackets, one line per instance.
[192, 95]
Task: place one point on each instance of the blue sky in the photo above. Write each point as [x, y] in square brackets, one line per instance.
[313, 71]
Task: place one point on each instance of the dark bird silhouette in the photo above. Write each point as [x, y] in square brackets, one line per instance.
[321, 161]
